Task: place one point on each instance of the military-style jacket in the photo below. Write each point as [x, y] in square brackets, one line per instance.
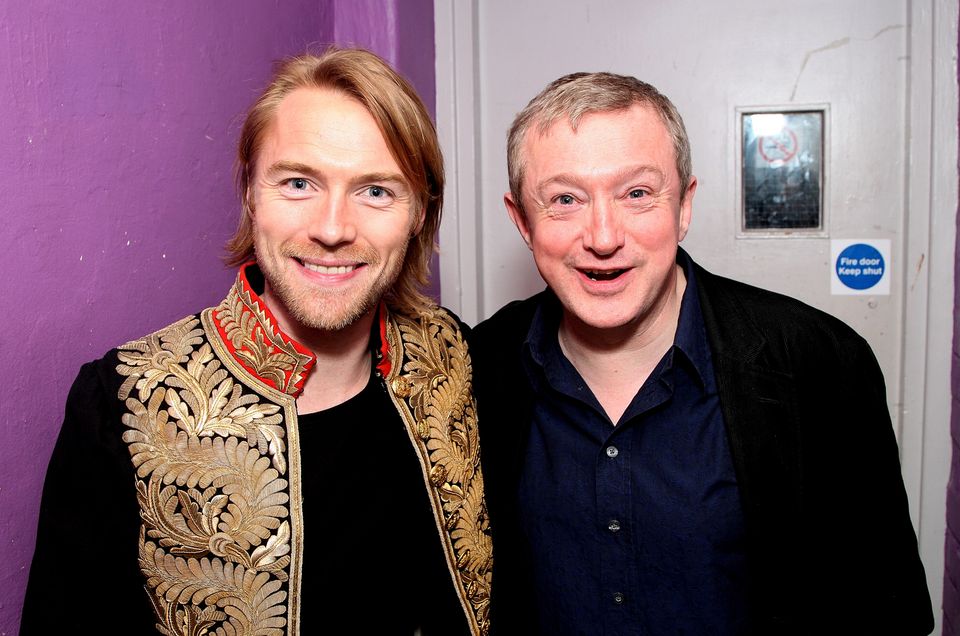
[209, 421]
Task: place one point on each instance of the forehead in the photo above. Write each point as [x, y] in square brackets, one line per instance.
[602, 141]
[325, 124]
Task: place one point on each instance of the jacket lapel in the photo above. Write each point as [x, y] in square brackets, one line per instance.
[759, 400]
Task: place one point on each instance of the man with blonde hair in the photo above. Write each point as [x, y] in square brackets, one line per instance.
[304, 455]
[667, 451]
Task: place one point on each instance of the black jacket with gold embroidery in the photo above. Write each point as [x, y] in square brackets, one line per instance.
[185, 442]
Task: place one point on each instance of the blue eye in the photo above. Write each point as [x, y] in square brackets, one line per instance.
[637, 194]
[376, 192]
[298, 184]
[565, 199]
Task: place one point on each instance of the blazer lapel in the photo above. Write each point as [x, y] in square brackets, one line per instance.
[759, 400]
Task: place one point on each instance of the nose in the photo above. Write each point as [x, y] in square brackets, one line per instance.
[332, 222]
[604, 233]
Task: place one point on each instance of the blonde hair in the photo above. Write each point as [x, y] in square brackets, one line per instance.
[407, 129]
[578, 94]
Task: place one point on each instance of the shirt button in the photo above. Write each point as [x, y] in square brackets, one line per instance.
[612, 451]
[618, 598]
[613, 526]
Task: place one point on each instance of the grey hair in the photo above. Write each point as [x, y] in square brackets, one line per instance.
[578, 94]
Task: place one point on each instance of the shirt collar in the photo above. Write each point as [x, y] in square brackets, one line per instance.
[691, 337]
[543, 349]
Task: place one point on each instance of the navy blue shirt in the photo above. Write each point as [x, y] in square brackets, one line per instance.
[635, 528]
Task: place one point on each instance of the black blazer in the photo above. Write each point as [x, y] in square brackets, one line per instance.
[830, 545]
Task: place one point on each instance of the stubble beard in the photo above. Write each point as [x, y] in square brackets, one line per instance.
[326, 310]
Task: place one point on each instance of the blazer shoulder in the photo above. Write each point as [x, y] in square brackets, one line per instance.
[510, 322]
[186, 324]
[446, 315]
[734, 310]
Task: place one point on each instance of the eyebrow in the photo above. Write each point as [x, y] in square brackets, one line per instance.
[290, 166]
[380, 177]
[282, 167]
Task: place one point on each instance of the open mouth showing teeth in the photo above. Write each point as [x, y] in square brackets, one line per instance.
[603, 274]
[323, 269]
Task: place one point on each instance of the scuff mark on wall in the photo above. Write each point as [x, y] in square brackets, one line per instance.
[891, 27]
[836, 44]
[916, 274]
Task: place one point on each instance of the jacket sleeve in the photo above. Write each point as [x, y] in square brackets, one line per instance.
[831, 545]
[865, 520]
[503, 415]
[85, 574]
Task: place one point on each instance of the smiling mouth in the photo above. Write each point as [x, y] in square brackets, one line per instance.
[603, 274]
[329, 270]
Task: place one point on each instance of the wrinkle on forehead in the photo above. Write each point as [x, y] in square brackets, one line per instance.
[620, 175]
[639, 140]
[649, 121]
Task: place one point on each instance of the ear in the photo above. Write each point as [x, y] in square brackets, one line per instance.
[686, 208]
[421, 219]
[248, 202]
[518, 217]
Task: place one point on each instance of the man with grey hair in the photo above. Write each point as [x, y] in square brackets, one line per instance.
[667, 451]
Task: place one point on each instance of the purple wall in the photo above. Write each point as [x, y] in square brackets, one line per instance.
[119, 125]
[402, 37]
[951, 575]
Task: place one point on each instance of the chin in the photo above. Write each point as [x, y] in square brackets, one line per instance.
[333, 315]
[601, 320]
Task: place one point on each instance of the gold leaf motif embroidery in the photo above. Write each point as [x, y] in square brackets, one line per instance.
[188, 588]
[210, 458]
[206, 401]
[145, 362]
[434, 383]
[250, 331]
[176, 620]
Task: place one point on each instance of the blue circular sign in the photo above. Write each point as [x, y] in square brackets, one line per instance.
[860, 266]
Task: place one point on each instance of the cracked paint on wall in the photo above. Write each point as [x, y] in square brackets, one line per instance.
[836, 44]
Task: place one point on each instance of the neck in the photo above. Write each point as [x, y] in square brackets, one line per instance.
[615, 362]
[343, 361]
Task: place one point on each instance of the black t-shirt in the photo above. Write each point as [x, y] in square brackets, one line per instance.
[372, 555]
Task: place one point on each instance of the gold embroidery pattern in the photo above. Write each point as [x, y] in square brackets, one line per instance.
[250, 332]
[215, 539]
[433, 384]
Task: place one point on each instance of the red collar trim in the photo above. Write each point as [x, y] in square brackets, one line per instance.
[383, 355]
[249, 330]
[254, 340]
